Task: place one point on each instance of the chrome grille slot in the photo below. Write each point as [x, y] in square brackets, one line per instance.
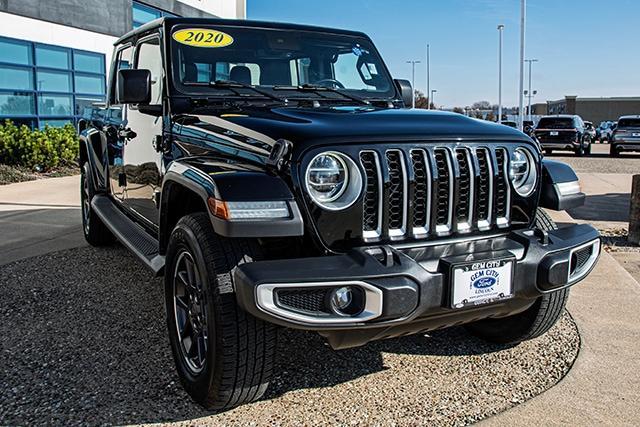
[444, 192]
[372, 203]
[464, 206]
[434, 191]
[502, 196]
[421, 193]
[484, 192]
[397, 196]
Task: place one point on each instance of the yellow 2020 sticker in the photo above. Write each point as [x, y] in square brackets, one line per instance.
[202, 37]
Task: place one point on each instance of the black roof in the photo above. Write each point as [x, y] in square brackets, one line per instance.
[233, 22]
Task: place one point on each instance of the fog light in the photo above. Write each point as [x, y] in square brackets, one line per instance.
[341, 299]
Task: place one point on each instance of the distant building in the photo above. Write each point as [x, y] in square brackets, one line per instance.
[595, 110]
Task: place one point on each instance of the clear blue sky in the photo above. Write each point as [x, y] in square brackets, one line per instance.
[585, 47]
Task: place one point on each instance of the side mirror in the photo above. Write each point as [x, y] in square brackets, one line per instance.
[406, 91]
[133, 87]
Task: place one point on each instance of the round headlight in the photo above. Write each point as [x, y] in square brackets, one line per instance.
[333, 180]
[327, 177]
[522, 171]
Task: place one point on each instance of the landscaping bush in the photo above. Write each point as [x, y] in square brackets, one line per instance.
[40, 150]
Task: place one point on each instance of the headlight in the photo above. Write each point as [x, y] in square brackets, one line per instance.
[333, 180]
[522, 171]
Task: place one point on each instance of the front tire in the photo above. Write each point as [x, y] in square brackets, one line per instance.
[233, 357]
[534, 321]
[613, 152]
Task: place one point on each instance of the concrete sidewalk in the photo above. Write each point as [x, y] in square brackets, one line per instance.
[37, 217]
[603, 386]
[607, 204]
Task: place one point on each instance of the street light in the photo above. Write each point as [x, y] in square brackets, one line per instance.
[413, 82]
[530, 94]
[523, 21]
[428, 76]
[431, 99]
[500, 31]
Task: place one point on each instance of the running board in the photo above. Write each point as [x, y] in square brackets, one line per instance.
[130, 234]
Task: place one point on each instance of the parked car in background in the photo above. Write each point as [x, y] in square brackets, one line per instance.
[563, 132]
[591, 130]
[528, 127]
[626, 135]
[509, 123]
[603, 133]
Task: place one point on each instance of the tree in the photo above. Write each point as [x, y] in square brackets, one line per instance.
[421, 100]
[458, 110]
[481, 105]
[490, 117]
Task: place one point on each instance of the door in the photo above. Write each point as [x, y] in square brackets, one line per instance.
[114, 123]
[141, 159]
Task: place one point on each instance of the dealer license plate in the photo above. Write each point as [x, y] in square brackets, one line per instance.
[481, 282]
[553, 133]
[635, 134]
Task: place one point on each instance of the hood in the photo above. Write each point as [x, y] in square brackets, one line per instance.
[307, 127]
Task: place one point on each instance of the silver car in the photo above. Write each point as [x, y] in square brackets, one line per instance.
[626, 136]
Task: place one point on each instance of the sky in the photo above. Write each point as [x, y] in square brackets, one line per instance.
[584, 47]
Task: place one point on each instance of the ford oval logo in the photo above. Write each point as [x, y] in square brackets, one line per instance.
[484, 282]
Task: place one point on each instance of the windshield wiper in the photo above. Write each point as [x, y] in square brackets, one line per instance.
[318, 89]
[233, 85]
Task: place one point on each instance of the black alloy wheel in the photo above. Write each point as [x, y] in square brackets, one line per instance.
[190, 308]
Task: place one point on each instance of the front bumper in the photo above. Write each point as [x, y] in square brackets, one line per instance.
[407, 290]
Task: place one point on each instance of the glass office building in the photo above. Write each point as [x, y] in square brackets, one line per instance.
[52, 72]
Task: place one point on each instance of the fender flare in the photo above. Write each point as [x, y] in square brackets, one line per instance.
[92, 151]
[560, 187]
[230, 187]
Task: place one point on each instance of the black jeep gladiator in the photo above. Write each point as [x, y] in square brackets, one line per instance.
[274, 176]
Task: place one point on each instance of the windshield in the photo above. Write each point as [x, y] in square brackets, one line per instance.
[629, 123]
[278, 61]
[556, 123]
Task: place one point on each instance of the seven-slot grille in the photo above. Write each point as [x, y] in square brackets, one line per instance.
[434, 191]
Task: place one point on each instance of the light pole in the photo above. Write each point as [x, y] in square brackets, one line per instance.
[500, 31]
[530, 94]
[431, 98]
[523, 21]
[428, 77]
[413, 82]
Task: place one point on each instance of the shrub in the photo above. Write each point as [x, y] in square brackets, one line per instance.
[38, 149]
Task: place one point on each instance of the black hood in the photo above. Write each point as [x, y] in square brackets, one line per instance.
[311, 126]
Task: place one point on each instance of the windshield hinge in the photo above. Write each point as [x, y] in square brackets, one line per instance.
[280, 154]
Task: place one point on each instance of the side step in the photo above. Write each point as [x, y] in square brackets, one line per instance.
[130, 234]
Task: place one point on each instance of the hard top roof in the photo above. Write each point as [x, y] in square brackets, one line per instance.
[170, 21]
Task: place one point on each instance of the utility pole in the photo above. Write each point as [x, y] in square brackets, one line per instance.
[530, 94]
[500, 31]
[523, 21]
[413, 82]
[428, 77]
[431, 99]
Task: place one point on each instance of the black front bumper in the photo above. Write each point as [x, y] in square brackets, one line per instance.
[413, 283]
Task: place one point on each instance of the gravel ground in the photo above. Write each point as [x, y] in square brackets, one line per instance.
[599, 161]
[615, 240]
[82, 339]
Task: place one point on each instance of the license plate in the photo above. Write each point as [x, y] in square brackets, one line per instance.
[553, 133]
[635, 134]
[481, 282]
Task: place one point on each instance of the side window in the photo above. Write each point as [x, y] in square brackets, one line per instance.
[344, 71]
[149, 57]
[123, 62]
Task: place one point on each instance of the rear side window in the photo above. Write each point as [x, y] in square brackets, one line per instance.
[629, 123]
[556, 123]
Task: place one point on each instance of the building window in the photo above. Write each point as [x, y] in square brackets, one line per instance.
[143, 13]
[48, 85]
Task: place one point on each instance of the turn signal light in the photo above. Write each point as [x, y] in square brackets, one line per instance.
[249, 210]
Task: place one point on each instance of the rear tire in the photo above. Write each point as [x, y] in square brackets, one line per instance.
[580, 150]
[95, 232]
[531, 323]
[238, 350]
[613, 152]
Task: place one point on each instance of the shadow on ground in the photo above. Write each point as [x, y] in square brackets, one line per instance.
[83, 340]
[604, 207]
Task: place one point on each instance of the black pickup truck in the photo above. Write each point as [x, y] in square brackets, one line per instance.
[274, 176]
